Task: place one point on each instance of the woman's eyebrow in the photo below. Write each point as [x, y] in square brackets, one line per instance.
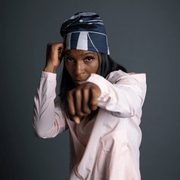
[67, 53]
[89, 53]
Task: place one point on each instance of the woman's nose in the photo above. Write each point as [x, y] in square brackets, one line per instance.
[79, 68]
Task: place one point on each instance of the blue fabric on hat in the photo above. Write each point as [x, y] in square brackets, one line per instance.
[85, 31]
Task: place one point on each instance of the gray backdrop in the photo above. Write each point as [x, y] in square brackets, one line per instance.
[144, 36]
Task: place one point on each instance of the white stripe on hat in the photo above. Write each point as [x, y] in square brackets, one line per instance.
[82, 41]
[68, 41]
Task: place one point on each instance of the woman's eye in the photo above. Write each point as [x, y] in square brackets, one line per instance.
[89, 58]
[69, 59]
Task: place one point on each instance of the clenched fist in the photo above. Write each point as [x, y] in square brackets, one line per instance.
[53, 56]
[82, 100]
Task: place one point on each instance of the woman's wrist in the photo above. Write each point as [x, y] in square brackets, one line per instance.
[51, 69]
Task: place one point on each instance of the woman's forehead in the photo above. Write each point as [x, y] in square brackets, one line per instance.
[79, 52]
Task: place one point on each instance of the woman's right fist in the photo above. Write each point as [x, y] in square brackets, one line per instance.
[53, 56]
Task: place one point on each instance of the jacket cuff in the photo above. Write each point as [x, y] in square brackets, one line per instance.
[48, 76]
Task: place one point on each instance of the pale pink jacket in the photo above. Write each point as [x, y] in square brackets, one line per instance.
[107, 147]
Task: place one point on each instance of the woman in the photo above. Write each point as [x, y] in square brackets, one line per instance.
[99, 103]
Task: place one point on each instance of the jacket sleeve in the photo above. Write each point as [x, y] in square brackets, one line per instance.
[122, 94]
[48, 120]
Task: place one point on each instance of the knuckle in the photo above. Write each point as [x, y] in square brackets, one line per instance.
[52, 46]
[94, 103]
[93, 90]
[78, 93]
[49, 44]
[85, 90]
[61, 44]
[94, 106]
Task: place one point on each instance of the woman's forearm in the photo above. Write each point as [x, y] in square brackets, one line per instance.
[47, 116]
[122, 94]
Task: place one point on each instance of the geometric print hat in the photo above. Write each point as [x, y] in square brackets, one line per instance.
[85, 31]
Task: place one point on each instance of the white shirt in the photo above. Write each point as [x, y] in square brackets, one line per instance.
[107, 147]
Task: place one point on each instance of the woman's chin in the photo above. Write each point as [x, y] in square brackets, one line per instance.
[78, 82]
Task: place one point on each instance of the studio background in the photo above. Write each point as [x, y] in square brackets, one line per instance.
[143, 37]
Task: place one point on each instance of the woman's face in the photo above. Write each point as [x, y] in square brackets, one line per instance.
[80, 64]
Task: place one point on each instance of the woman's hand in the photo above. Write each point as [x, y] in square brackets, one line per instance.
[83, 100]
[53, 56]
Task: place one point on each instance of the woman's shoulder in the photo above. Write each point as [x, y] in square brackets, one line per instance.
[115, 76]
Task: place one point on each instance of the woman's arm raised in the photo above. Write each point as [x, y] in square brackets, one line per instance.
[53, 56]
[48, 119]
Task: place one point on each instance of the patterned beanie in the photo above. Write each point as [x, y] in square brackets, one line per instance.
[85, 31]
